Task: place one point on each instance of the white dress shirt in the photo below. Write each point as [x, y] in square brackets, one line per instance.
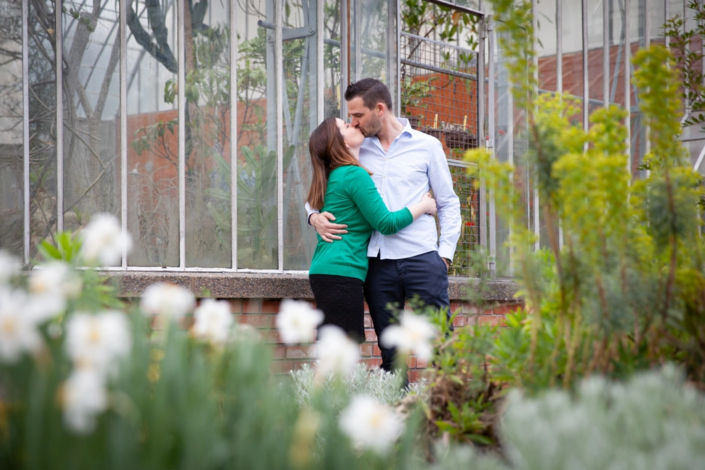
[414, 164]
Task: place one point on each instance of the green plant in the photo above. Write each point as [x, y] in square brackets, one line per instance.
[166, 399]
[654, 420]
[618, 295]
[687, 60]
[413, 94]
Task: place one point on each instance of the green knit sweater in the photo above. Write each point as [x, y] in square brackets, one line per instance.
[353, 199]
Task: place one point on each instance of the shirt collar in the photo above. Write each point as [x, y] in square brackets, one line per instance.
[406, 130]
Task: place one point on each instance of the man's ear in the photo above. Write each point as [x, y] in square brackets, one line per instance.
[380, 109]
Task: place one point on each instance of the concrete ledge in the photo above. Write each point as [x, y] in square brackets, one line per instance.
[280, 286]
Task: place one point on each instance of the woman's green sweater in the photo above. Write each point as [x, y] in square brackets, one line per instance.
[353, 199]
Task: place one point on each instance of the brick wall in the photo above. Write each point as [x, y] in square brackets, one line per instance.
[261, 314]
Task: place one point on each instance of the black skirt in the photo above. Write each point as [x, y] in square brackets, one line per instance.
[342, 301]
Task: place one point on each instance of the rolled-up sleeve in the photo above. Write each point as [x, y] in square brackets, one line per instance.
[447, 201]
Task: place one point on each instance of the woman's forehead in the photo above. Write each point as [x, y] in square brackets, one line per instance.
[339, 122]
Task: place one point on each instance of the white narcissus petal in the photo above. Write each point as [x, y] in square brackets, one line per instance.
[18, 331]
[104, 241]
[167, 299]
[336, 353]
[371, 424]
[213, 321]
[98, 341]
[83, 398]
[297, 321]
[413, 335]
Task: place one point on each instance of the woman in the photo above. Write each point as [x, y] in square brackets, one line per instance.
[344, 188]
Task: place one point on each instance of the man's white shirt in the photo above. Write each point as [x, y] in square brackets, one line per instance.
[414, 164]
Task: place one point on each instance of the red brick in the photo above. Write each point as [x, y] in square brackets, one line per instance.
[456, 306]
[282, 367]
[372, 362]
[470, 308]
[413, 376]
[367, 308]
[279, 352]
[271, 336]
[370, 336]
[298, 352]
[252, 306]
[411, 362]
[421, 363]
[368, 321]
[493, 320]
[270, 306]
[235, 305]
[365, 350]
[505, 309]
[258, 321]
[460, 320]
[376, 351]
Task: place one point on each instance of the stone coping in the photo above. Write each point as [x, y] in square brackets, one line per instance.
[279, 285]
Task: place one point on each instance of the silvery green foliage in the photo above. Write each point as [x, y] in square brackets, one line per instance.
[384, 386]
[654, 421]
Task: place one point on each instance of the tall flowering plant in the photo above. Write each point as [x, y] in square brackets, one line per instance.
[88, 381]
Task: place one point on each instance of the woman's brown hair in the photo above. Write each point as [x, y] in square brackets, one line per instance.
[328, 152]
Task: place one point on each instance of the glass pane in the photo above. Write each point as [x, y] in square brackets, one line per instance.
[331, 58]
[11, 127]
[152, 133]
[257, 160]
[596, 72]
[42, 122]
[91, 95]
[546, 34]
[299, 120]
[470, 221]
[208, 194]
[373, 42]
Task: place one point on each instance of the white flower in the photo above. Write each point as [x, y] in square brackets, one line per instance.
[297, 321]
[50, 285]
[104, 240]
[98, 341]
[18, 330]
[336, 353]
[413, 334]
[213, 320]
[371, 424]
[84, 396]
[9, 266]
[168, 300]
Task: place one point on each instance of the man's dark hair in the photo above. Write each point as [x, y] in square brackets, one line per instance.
[371, 90]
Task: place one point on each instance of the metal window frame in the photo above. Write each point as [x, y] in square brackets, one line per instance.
[59, 72]
[25, 130]
[488, 44]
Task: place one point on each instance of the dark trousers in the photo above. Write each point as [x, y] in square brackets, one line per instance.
[395, 281]
[342, 302]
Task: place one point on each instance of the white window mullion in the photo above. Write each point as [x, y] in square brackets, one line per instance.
[58, 35]
[233, 134]
[25, 124]
[123, 123]
[279, 84]
[182, 134]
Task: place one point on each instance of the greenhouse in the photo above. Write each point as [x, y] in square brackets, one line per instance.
[169, 297]
[114, 144]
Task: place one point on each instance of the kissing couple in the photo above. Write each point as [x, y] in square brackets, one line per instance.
[370, 203]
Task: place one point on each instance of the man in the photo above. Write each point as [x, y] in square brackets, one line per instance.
[405, 164]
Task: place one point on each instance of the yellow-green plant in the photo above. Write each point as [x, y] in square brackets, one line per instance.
[622, 286]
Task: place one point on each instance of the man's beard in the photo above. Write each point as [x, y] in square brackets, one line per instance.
[372, 130]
